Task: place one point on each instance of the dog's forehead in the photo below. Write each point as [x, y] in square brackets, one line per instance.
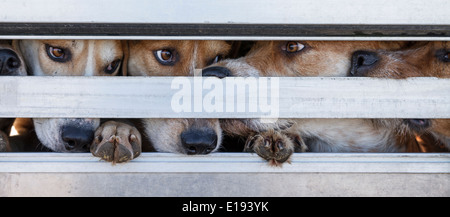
[107, 50]
[109, 45]
[158, 44]
[442, 45]
[215, 47]
[64, 43]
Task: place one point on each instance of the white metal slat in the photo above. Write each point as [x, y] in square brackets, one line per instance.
[247, 163]
[226, 20]
[226, 174]
[385, 12]
[159, 97]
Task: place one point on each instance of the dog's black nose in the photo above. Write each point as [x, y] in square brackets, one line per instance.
[362, 62]
[77, 139]
[217, 71]
[199, 141]
[9, 62]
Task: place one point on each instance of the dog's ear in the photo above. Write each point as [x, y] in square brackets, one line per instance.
[126, 54]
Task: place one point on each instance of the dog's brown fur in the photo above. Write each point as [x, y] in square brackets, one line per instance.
[81, 57]
[16, 70]
[70, 58]
[187, 56]
[424, 59]
[311, 58]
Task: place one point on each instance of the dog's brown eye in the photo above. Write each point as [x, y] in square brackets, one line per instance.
[111, 68]
[293, 46]
[57, 54]
[165, 56]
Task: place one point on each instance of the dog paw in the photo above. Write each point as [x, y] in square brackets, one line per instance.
[273, 146]
[3, 142]
[116, 142]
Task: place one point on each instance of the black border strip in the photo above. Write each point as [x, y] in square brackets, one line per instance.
[227, 30]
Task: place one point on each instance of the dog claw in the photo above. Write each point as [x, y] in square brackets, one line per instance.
[112, 138]
[97, 140]
[123, 143]
[133, 138]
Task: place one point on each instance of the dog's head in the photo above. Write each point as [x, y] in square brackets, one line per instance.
[11, 61]
[70, 58]
[422, 59]
[178, 58]
[173, 58]
[294, 59]
[298, 58]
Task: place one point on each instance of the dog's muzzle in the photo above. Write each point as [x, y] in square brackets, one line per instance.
[77, 138]
[216, 71]
[9, 62]
[196, 141]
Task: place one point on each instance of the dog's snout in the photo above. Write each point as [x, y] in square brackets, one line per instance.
[217, 71]
[199, 141]
[77, 138]
[9, 62]
[362, 62]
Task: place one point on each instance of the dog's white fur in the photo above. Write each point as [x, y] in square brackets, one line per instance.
[88, 58]
[164, 134]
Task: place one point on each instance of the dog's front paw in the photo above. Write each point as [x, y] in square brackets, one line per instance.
[3, 142]
[116, 142]
[273, 146]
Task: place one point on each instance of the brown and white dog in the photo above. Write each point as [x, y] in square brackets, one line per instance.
[11, 64]
[424, 59]
[177, 58]
[274, 142]
[70, 58]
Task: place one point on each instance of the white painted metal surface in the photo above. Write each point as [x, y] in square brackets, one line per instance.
[150, 97]
[228, 163]
[228, 11]
[226, 174]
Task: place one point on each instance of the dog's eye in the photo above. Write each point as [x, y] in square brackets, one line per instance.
[293, 47]
[215, 60]
[111, 68]
[165, 57]
[57, 54]
[443, 55]
[446, 58]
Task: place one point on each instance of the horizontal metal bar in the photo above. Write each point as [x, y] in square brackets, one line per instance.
[227, 163]
[196, 97]
[354, 12]
[220, 31]
[231, 38]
